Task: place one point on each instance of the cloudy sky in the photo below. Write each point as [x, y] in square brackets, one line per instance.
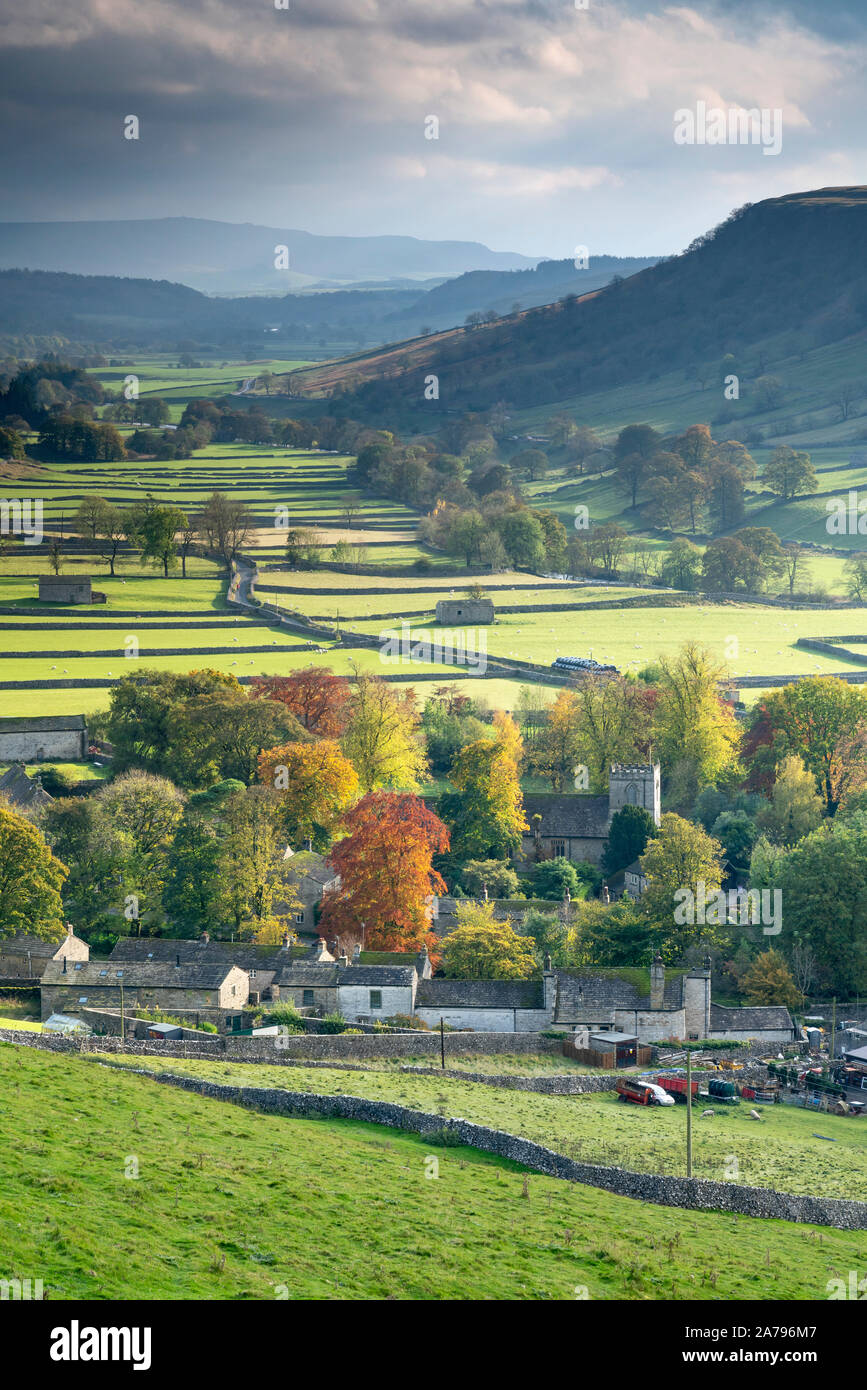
[555, 122]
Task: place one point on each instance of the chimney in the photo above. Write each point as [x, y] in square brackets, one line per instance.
[64, 965]
[657, 983]
[69, 931]
[205, 938]
[343, 960]
[606, 896]
[308, 845]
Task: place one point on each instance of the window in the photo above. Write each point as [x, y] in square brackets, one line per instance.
[102, 974]
[376, 999]
[120, 974]
[558, 849]
[632, 794]
[78, 965]
[83, 999]
[307, 998]
[234, 989]
[299, 916]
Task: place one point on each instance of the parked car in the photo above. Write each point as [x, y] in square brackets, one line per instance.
[643, 1092]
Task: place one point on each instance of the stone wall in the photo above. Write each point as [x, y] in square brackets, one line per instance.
[41, 745]
[696, 1194]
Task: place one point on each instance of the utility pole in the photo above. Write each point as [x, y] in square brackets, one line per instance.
[688, 1113]
[442, 1045]
[122, 1028]
[833, 1026]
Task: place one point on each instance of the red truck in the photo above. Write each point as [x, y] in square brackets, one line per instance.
[676, 1086]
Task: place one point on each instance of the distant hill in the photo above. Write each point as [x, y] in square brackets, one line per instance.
[236, 258]
[449, 304]
[789, 271]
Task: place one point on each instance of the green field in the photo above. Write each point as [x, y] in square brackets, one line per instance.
[779, 1151]
[232, 1205]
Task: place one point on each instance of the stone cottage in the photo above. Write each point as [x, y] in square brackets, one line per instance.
[215, 992]
[468, 611]
[311, 876]
[575, 826]
[24, 794]
[25, 957]
[58, 588]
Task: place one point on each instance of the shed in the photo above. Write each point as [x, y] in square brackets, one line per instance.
[623, 1045]
[165, 1031]
[465, 610]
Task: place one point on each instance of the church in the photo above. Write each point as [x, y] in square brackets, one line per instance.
[575, 826]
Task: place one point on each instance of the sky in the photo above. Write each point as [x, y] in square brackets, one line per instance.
[555, 122]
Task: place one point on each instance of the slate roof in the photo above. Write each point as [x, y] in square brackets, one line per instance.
[376, 975]
[307, 976]
[48, 722]
[760, 1017]
[245, 954]
[583, 817]
[138, 974]
[21, 944]
[23, 791]
[306, 863]
[479, 994]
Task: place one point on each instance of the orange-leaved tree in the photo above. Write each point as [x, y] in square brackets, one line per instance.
[318, 699]
[386, 872]
[315, 784]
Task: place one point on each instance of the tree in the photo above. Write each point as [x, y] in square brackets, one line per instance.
[681, 857]
[737, 833]
[486, 812]
[483, 948]
[855, 576]
[533, 462]
[319, 699]
[497, 877]
[554, 878]
[226, 524]
[813, 718]
[769, 981]
[303, 548]
[796, 807]
[682, 564]
[523, 538]
[556, 752]
[381, 739]
[630, 829]
[823, 882]
[790, 472]
[315, 785]
[613, 725]
[147, 811]
[691, 724]
[251, 859]
[153, 527]
[193, 894]
[636, 445]
[386, 875]
[797, 565]
[607, 544]
[30, 880]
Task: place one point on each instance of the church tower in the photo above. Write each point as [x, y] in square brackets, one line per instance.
[635, 784]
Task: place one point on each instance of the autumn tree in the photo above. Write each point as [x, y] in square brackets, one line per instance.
[382, 739]
[814, 719]
[613, 724]
[319, 699]
[790, 472]
[555, 754]
[315, 784]
[486, 812]
[483, 948]
[795, 807]
[385, 865]
[769, 981]
[692, 725]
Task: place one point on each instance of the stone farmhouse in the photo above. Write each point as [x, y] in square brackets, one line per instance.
[215, 992]
[43, 737]
[311, 876]
[575, 826]
[25, 957]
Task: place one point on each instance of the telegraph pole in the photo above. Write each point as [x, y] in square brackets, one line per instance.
[442, 1045]
[688, 1113]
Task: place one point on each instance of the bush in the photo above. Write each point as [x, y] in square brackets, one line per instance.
[207, 1027]
[333, 1023]
[287, 1015]
[407, 1021]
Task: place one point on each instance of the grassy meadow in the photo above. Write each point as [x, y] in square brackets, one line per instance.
[112, 1187]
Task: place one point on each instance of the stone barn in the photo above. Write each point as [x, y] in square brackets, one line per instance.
[25, 957]
[469, 611]
[62, 737]
[56, 588]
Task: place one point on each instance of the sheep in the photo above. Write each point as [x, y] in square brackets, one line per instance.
[706, 1113]
[754, 1115]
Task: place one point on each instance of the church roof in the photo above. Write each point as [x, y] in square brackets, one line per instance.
[583, 817]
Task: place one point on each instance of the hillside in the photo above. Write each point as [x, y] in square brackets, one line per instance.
[113, 1187]
[786, 273]
[235, 258]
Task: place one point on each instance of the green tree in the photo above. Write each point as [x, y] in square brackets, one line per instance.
[692, 726]
[30, 880]
[630, 829]
[679, 859]
[790, 472]
[823, 881]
